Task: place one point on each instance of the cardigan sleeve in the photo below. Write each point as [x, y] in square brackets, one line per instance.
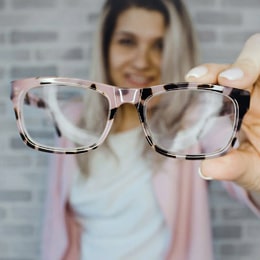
[61, 231]
[242, 195]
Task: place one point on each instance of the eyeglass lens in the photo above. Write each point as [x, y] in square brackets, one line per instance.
[68, 117]
[178, 120]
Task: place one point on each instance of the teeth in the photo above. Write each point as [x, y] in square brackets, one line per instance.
[139, 79]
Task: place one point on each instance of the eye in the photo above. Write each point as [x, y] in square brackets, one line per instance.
[126, 41]
[158, 45]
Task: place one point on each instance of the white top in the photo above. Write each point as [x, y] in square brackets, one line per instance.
[116, 206]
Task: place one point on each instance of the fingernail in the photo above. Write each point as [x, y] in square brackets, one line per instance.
[207, 178]
[232, 74]
[197, 72]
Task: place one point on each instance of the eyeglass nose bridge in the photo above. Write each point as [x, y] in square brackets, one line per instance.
[130, 96]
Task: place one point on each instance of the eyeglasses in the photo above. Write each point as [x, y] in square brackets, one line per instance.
[63, 115]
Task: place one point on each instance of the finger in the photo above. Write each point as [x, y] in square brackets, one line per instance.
[246, 69]
[205, 73]
[241, 166]
[222, 168]
[242, 74]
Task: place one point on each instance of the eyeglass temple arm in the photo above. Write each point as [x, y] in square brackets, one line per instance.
[39, 103]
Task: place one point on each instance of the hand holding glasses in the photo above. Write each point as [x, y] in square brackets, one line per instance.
[63, 115]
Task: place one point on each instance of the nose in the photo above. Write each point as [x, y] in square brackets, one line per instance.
[141, 58]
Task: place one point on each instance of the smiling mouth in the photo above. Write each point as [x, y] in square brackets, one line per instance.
[138, 80]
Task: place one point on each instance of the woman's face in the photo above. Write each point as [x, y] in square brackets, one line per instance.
[135, 51]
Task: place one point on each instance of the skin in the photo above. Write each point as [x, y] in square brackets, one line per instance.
[135, 56]
[241, 165]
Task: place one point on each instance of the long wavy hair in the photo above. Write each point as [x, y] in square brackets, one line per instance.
[180, 51]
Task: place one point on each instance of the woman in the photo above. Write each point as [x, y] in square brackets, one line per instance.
[111, 203]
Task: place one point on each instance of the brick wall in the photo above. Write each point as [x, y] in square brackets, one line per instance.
[44, 37]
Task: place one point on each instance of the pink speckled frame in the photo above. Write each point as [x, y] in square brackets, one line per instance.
[116, 97]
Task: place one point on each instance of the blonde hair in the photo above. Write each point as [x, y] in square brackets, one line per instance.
[180, 47]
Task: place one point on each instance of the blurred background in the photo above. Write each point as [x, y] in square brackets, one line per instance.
[53, 38]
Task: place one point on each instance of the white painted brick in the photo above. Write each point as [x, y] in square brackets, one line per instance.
[54, 37]
[249, 4]
[23, 71]
[33, 4]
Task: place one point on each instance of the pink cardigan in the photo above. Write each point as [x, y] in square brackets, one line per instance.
[181, 193]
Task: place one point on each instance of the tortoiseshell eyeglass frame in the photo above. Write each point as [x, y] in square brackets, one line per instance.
[117, 96]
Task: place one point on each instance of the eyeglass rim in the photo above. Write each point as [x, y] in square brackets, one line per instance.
[21, 86]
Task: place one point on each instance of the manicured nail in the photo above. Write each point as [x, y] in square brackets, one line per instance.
[207, 178]
[197, 72]
[232, 74]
